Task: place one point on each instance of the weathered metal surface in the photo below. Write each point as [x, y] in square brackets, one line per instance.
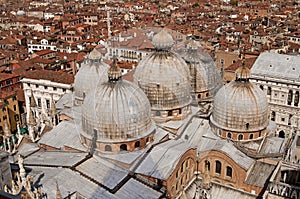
[92, 71]
[164, 77]
[204, 73]
[273, 65]
[240, 106]
[118, 111]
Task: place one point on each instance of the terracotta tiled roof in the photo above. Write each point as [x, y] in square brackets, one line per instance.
[43, 52]
[55, 76]
[248, 63]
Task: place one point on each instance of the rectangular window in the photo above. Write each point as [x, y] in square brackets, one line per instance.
[48, 103]
[39, 102]
[16, 117]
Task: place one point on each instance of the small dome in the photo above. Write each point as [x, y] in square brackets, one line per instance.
[164, 77]
[240, 106]
[205, 77]
[119, 111]
[243, 73]
[162, 40]
[91, 72]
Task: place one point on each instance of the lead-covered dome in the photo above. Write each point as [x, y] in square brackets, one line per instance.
[205, 78]
[91, 72]
[162, 40]
[165, 79]
[119, 113]
[240, 109]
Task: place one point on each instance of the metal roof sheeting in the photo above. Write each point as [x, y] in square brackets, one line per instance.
[277, 65]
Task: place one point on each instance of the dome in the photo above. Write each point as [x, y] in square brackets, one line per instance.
[91, 72]
[118, 111]
[243, 73]
[165, 78]
[162, 40]
[240, 106]
[205, 78]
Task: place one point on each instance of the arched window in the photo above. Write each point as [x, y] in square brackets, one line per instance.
[123, 147]
[251, 136]
[261, 87]
[207, 164]
[229, 135]
[296, 99]
[269, 90]
[273, 115]
[281, 134]
[219, 132]
[137, 144]
[247, 126]
[240, 137]
[290, 97]
[199, 96]
[107, 148]
[228, 171]
[169, 113]
[157, 113]
[218, 167]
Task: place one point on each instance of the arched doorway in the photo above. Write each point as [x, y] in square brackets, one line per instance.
[281, 134]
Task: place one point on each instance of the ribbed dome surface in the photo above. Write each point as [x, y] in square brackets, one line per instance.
[164, 77]
[204, 72]
[162, 40]
[240, 106]
[118, 110]
[92, 71]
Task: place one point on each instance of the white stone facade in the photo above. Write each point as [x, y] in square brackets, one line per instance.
[43, 92]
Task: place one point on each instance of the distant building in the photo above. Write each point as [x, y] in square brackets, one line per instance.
[278, 76]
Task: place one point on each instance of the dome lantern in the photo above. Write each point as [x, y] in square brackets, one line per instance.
[114, 72]
[242, 73]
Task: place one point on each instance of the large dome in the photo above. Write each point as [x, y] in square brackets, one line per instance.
[118, 111]
[91, 72]
[240, 106]
[165, 78]
[205, 78]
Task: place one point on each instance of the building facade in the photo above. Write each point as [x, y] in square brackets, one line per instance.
[278, 76]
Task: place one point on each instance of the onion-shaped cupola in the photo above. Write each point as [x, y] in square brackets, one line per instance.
[240, 109]
[116, 114]
[205, 78]
[91, 72]
[165, 79]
